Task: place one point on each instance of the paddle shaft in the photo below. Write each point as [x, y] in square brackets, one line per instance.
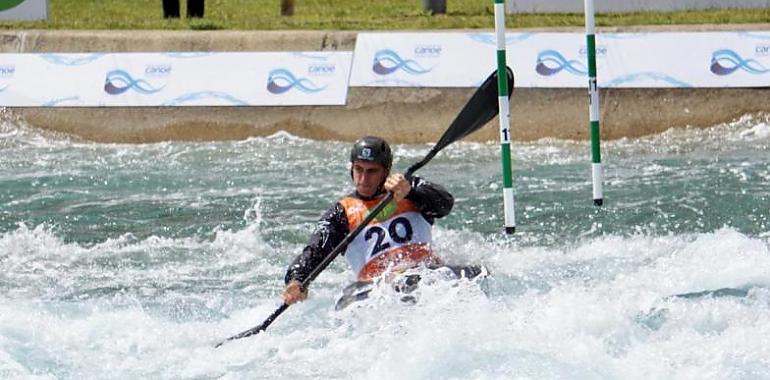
[321, 266]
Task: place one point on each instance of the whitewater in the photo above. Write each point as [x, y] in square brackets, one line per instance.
[123, 261]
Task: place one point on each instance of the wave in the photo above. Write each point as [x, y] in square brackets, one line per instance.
[38, 263]
[587, 309]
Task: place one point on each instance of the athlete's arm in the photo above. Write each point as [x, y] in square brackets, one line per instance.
[433, 200]
[330, 230]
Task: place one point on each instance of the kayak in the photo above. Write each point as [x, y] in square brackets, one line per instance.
[405, 284]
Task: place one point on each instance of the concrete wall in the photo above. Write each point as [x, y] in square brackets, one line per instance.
[399, 114]
[605, 6]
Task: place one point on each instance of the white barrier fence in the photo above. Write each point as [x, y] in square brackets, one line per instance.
[174, 79]
[540, 60]
[558, 60]
[614, 6]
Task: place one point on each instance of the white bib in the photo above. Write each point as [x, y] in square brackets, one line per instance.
[376, 239]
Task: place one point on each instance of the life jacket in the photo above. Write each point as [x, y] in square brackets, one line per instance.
[397, 239]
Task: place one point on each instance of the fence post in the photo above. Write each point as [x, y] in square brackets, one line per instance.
[287, 7]
[435, 6]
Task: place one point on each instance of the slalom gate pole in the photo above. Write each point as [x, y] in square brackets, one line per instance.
[593, 105]
[505, 118]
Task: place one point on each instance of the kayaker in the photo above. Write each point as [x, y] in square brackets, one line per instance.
[398, 239]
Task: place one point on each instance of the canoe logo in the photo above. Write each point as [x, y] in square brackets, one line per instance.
[325, 69]
[283, 80]
[600, 51]
[157, 70]
[387, 61]
[8, 4]
[120, 81]
[726, 62]
[7, 71]
[428, 51]
[551, 62]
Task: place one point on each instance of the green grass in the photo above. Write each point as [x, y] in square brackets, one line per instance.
[344, 15]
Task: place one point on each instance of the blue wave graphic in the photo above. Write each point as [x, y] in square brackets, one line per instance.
[71, 59]
[755, 35]
[119, 81]
[3, 88]
[491, 38]
[637, 77]
[623, 36]
[394, 82]
[185, 55]
[186, 98]
[388, 61]
[318, 57]
[726, 62]
[550, 62]
[59, 101]
[282, 80]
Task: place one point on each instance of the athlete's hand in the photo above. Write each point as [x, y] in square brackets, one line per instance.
[398, 185]
[294, 292]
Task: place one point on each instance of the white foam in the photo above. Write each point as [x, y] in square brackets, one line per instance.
[758, 132]
[284, 135]
[586, 310]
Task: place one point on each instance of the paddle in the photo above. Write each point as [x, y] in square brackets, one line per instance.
[479, 110]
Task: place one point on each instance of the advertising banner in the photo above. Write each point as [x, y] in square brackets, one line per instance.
[559, 60]
[614, 6]
[23, 9]
[174, 79]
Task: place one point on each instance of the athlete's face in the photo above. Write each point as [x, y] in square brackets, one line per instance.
[368, 177]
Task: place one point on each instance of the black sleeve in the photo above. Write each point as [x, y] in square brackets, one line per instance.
[433, 200]
[330, 230]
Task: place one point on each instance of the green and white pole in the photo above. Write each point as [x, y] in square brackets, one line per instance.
[504, 117]
[593, 105]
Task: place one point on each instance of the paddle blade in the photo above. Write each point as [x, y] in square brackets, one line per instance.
[256, 329]
[479, 110]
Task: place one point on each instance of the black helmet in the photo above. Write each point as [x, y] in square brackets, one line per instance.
[373, 149]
